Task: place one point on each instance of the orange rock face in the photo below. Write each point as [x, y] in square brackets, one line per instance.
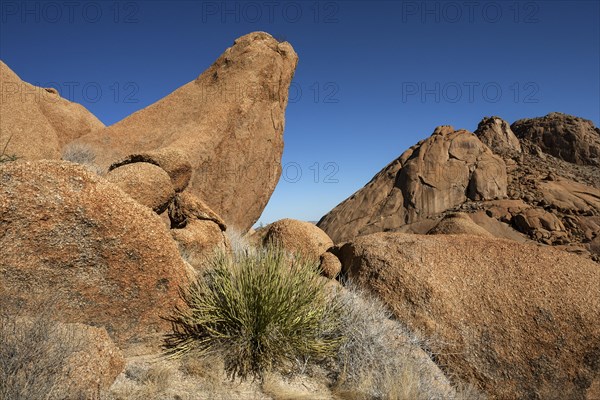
[69, 235]
[519, 321]
[37, 122]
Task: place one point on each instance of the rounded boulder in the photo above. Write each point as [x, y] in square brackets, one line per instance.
[146, 183]
[71, 237]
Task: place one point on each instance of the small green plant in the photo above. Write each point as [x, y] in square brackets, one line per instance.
[260, 310]
[4, 157]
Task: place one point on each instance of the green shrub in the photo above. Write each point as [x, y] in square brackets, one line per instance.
[260, 311]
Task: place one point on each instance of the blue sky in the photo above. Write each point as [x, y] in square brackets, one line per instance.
[374, 77]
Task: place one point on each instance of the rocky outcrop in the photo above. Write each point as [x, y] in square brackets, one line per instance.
[519, 321]
[497, 135]
[146, 183]
[437, 174]
[535, 219]
[96, 363]
[228, 123]
[569, 192]
[567, 137]
[549, 200]
[37, 122]
[69, 235]
[300, 237]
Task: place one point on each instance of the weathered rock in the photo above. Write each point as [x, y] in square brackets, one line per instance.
[570, 138]
[497, 228]
[434, 176]
[536, 218]
[497, 135]
[505, 209]
[519, 321]
[96, 364]
[595, 246]
[198, 230]
[175, 162]
[69, 234]
[298, 237]
[330, 265]
[42, 358]
[458, 223]
[186, 207]
[37, 122]
[229, 123]
[199, 240]
[146, 183]
[568, 195]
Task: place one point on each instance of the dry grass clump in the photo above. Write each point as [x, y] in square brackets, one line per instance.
[154, 380]
[381, 359]
[240, 245]
[259, 310]
[34, 358]
[187, 378]
[81, 154]
[371, 365]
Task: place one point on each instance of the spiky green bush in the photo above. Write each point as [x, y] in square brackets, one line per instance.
[261, 310]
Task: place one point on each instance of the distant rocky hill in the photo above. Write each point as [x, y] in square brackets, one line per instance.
[535, 180]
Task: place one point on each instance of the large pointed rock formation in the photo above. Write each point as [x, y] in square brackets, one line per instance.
[35, 122]
[228, 123]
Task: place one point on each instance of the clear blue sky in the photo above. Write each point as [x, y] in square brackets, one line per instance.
[373, 78]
